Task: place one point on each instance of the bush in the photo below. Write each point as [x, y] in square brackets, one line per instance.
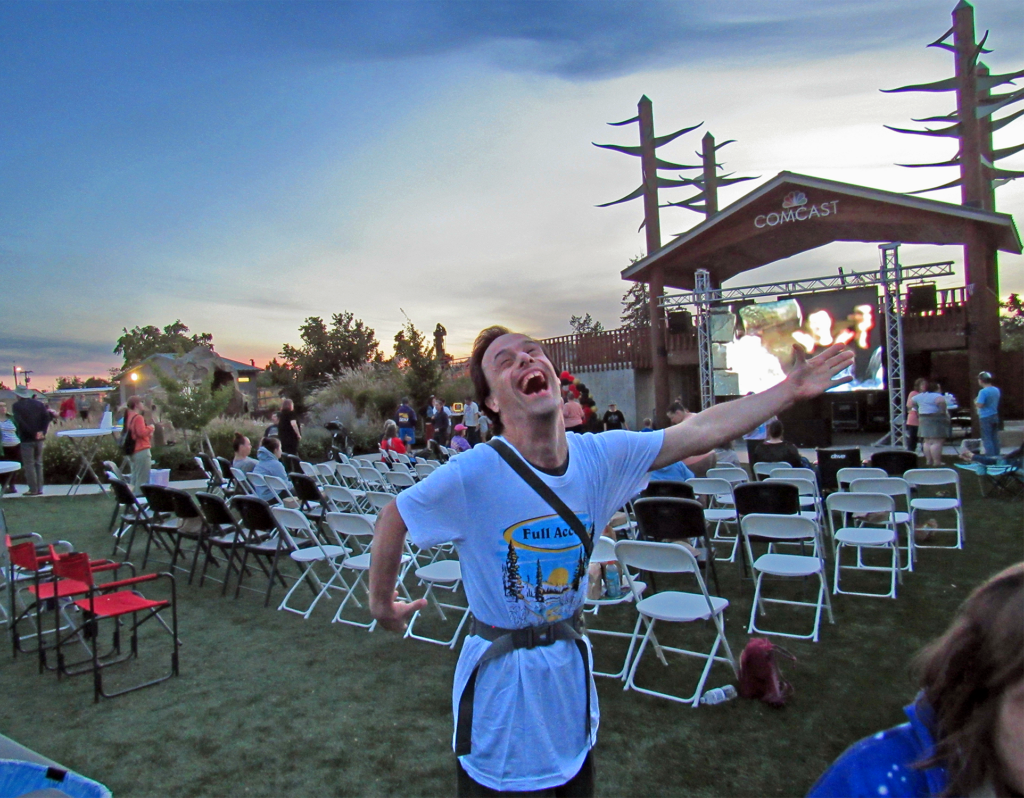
[221, 432]
[315, 445]
[374, 390]
[179, 458]
[61, 458]
[364, 431]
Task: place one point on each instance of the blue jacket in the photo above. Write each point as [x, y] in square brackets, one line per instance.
[268, 464]
[673, 472]
[882, 764]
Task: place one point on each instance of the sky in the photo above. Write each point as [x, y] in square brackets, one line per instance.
[244, 165]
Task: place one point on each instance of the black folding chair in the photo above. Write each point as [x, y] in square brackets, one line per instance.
[225, 534]
[132, 514]
[311, 499]
[895, 462]
[664, 488]
[163, 523]
[263, 538]
[667, 518]
[291, 463]
[229, 487]
[830, 461]
[778, 498]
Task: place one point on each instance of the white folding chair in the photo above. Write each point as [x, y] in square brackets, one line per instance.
[604, 551]
[404, 459]
[424, 469]
[810, 501]
[846, 476]
[776, 529]
[762, 470]
[373, 480]
[442, 575]
[672, 606]
[899, 489]
[347, 501]
[797, 473]
[875, 536]
[296, 525]
[348, 475]
[378, 500]
[381, 466]
[310, 470]
[734, 474]
[399, 480]
[280, 487]
[242, 481]
[936, 478]
[327, 474]
[257, 481]
[720, 510]
[355, 531]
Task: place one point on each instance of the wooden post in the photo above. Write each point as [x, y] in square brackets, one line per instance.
[710, 175]
[982, 332]
[652, 226]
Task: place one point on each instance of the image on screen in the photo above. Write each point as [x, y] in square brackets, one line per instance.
[761, 350]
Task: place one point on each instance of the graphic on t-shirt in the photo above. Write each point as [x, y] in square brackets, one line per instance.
[545, 570]
[403, 419]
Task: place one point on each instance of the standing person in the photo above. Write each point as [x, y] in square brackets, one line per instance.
[11, 445]
[933, 422]
[701, 462]
[614, 419]
[142, 433]
[288, 430]
[31, 419]
[913, 417]
[485, 428]
[271, 430]
[572, 414]
[405, 418]
[68, 410]
[988, 413]
[471, 418]
[82, 406]
[527, 717]
[441, 422]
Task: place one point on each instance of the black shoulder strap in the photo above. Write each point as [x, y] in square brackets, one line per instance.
[530, 478]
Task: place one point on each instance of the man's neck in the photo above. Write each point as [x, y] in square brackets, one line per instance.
[540, 440]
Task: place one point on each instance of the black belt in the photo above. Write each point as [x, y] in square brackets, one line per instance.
[504, 641]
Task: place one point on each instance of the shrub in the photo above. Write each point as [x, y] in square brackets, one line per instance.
[221, 432]
[61, 458]
[374, 389]
[315, 445]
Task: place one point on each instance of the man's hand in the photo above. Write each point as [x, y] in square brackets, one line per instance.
[812, 376]
[394, 615]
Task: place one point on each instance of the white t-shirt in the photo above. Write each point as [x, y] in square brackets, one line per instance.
[522, 566]
[470, 413]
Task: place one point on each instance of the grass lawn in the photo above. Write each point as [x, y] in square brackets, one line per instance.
[268, 704]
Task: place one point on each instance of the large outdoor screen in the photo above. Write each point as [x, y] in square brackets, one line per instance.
[761, 351]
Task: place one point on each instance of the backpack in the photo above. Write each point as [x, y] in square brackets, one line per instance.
[760, 676]
[127, 439]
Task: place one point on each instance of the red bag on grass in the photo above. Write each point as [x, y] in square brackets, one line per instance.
[760, 676]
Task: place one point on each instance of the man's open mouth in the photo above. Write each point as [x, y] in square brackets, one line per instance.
[534, 382]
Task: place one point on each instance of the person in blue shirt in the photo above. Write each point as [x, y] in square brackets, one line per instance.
[965, 735]
[268, 462]
[988, 413]
[405, 417]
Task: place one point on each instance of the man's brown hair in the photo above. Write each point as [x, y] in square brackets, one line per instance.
[964, 675]
[476, 373]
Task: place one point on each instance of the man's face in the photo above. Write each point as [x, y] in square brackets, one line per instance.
[677, 416]
[522, 380]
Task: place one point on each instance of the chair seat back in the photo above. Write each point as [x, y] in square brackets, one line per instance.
[766, 497]
[668, 488]
[895, 462]
[667, 518]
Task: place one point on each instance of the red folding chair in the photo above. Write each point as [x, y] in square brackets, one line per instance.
[113, 601]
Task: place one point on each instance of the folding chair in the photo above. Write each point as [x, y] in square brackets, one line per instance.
[342, 499]
[762, 470]
[378, 500]
[764, 497]
[225, 534]
[661, 488]
[899, 489]
[131, 515]
[797, 473]
[830, 461]
[604, 551]
[671, 607]
[225, 467]
[348, 476]
[291, 463]
[373, 480]
[327, 474]
[846, 476]
[193, 527]
[381, 466]
[734, 475]
[780, 529]
[355, 532]
[312, 501]
[164, 526]
[720, 510]
[442, 575]
[676, 520]
[807, 492]
[263, 538]
[210, 469]
[424, 468]
[936, 478]
[996, 480]
[399, 480]
[242, 484]
[895, 462]
[113, 601]
[296, 524]
[847, 535]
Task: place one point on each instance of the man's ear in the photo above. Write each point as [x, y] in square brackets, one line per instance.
[492, 403]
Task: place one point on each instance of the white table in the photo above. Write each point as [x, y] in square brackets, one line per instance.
[8, 467]
[86, 441]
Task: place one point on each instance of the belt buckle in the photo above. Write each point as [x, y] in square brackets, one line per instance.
[540, 636]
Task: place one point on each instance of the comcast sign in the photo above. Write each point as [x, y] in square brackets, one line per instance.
[796, 209]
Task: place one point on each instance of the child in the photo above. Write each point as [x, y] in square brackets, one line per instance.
[459, 441]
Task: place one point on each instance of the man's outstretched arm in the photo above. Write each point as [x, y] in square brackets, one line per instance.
[726, 422]
[385, 562]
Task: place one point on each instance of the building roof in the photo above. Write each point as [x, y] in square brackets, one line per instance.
[793, 213]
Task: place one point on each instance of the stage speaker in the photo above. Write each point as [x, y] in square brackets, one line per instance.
[921, 298]
[846, 414]
[680, 321]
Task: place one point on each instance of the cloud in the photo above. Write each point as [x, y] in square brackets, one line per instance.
[48, 356]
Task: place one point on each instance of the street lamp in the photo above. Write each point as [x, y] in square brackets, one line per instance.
[17, 370]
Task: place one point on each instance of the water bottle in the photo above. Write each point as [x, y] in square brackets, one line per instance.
[719, 695]
[612, 581]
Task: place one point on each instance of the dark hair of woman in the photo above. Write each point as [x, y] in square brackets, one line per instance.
[933, 386]
[774, 428]
[239, 441]
[271, 444]
[965, 674]
[476, 373]
[287, 404]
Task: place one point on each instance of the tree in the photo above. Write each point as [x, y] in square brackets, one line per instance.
[1011, 324]
[328, 350]
[191, 406]
[636, 312]
[68, 383]
[584, 325]
[140, 342]
[421, 370]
